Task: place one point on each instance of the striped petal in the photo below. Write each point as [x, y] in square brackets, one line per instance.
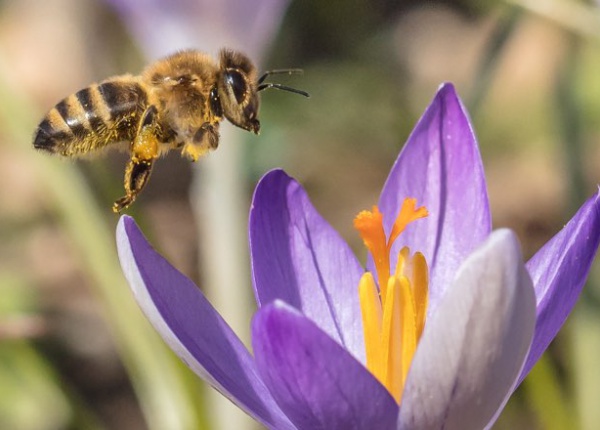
[441, 167]
[192, 327]
[313, 379]
[559, 271]
[299, 258]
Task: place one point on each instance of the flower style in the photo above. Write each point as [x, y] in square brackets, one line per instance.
[438, 331]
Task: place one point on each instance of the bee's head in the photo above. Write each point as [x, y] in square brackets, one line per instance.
[236, 93]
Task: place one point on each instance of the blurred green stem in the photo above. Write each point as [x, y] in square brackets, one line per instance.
[585, 352]
[491, 57]
[543, 391]
[220, 206]
[571, 126]
[157, 377]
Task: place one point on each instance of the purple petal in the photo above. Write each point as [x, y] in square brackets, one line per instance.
[192, 327]
[313, 379]
[475, 344]
[440, 165]
[298, 258]
[559, 271]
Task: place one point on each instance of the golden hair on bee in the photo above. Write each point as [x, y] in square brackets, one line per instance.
[177, 103]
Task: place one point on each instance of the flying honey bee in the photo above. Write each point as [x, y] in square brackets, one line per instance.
[177, 102]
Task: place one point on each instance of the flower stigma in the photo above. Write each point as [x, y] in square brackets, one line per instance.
[394, 313]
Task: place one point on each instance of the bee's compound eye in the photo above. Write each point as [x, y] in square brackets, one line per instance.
[215, 102]
[237, 83]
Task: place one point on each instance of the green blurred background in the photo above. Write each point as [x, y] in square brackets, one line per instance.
[75, 352]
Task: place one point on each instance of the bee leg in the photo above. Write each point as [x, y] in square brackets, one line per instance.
[205, 139]
[144, 151]
[137, 174]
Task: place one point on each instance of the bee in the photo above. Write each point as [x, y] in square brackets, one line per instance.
[177, 103]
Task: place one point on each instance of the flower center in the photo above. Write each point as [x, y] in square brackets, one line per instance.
[394, 314]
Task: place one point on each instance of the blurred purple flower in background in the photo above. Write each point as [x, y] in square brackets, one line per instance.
[489, 318]
[162, 26]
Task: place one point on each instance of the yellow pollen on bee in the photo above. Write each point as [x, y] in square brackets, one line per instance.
[393, 315]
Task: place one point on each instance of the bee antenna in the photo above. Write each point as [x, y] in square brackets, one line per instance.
[282, 87]
[280, 72]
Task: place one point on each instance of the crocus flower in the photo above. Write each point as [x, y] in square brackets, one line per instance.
[437, 332]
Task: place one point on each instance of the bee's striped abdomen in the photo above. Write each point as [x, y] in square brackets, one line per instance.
[89, 99]
[92, 118]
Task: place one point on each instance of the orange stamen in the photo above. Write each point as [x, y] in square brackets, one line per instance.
[408, 213]
[394, 317]
[370, 226]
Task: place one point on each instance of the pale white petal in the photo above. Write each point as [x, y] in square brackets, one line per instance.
[475, 344]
